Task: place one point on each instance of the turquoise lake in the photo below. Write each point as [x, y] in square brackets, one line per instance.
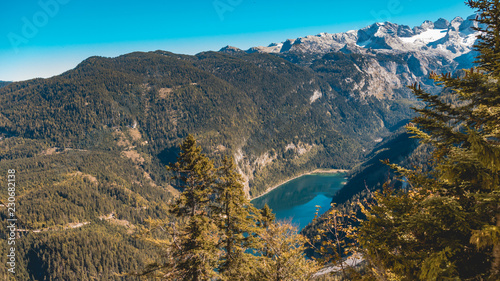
[296, 199]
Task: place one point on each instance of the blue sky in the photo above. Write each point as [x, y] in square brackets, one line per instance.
[47, 37]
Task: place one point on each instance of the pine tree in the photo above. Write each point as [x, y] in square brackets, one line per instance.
[266, 216]
[196, 250]
[236, 219]
[448, 224]
[484, 136]
[195, 175]
[265, 219]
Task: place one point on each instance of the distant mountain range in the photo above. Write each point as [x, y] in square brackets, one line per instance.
[451, 39]
[393, 55]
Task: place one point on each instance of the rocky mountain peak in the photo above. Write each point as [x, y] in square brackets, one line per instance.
[426, 25]
[230, 50]
[456, 23]
[468, 25]
[441, 24]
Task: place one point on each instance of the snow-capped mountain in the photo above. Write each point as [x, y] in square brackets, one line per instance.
[393, 55]
[448, 38]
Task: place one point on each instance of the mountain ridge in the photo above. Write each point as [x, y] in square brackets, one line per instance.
[393, 55]
[381, 34]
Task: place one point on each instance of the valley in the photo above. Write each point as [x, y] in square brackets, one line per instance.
[91, 146]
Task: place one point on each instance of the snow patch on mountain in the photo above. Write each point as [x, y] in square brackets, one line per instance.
[425, 37]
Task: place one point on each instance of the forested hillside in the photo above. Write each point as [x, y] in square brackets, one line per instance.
[90, 146]
[256, 107]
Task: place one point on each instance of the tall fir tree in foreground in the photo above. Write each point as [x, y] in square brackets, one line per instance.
[235, 217]
[196, 249]
[447, 226]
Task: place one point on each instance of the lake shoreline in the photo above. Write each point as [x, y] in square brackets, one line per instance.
[316, 171]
